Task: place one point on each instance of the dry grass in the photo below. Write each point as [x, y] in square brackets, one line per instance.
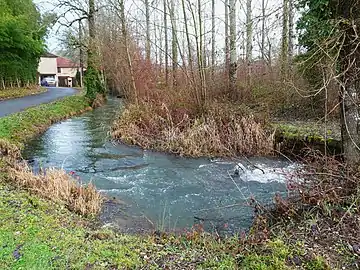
[58, 186]
[223, 130]
[9, 150]
[17, 92]
[98, 101]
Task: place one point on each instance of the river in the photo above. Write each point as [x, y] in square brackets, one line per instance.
[171, 192]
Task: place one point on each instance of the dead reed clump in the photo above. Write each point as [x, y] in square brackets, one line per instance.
[9, 150]
[58, 186]
[221, 131]
[98, 101]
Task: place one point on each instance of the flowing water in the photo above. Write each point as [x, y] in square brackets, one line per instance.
[172, 192]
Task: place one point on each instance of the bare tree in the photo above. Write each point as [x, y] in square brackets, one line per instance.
[249, 36]
[126, 45]
[174, 42]
[166, 44]
[285, 40]
[190, 57]
[263, 34]
[213, 53]
[249, 30]
[232, 41]
[291, 32]
[227, 47]
[81, 54]
[148, 38]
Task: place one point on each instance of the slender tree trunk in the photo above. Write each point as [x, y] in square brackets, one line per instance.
[148, 41]
[350, 90]
[232, 41]
[81, 56]
[126, 45]
[155, 43]
[174, 43]
[166, 44]
[249, 36]
[249, 32]
[227, 47]
[202, 53]
[285, 40]
[161, 45]
[190, 57]
[263, 10]
[213, 53]
[91, 47]
[291, 32]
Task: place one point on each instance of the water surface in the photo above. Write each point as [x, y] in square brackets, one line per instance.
[172, 192]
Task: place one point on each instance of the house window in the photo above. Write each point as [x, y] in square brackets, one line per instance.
[59, 70]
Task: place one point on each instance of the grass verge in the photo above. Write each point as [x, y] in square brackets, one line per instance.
[21, 92]
[19, 127]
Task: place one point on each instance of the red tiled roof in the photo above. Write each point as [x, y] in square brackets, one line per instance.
[65, 63]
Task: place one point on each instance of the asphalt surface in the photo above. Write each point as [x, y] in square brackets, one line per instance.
[19, 104]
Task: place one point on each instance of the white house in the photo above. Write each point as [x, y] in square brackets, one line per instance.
[62, 69]
[47, 67]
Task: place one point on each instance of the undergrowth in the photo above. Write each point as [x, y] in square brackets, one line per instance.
[322, 209]
[222, 130]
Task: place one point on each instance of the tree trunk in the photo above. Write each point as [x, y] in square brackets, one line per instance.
[350, 92]
[148, 41]
[91, 47]
[232, 41]
[213, 53]
[263, 10]
[227, 48]
[285, 41]
[291, 32]
[81, 56]
[128, 56]
[166, 45]
[249, 32]
[174, 42]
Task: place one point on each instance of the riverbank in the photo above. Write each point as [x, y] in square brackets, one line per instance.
[45, 234]
[19, 127]
[15, 92]
[38, 234]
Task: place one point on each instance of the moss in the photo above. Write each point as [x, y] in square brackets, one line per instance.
[302, 132]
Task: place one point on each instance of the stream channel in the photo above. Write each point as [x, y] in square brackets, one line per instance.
[155, 190]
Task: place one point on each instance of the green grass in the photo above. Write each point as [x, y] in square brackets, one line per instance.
[19, 127]
[21, 92]
[38, 234]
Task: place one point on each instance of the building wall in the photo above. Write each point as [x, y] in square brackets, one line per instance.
[47, 65]
[67, 72]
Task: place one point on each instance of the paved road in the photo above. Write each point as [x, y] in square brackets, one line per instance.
[19, 104]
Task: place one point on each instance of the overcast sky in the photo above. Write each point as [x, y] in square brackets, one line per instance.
[135, 11]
